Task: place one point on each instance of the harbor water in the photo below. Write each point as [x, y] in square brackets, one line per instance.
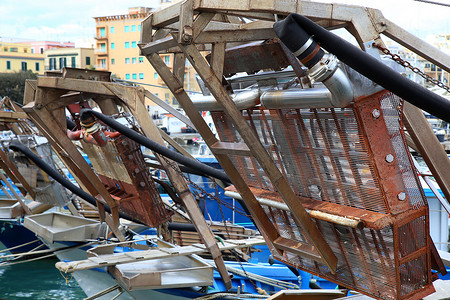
[37, 280]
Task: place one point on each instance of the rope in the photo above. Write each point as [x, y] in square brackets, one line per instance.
[15, 247]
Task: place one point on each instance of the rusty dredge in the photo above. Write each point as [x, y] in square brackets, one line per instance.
[313, 138]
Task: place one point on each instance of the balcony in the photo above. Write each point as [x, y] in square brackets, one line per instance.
[101, 67]
[101, 51]
[101, 37]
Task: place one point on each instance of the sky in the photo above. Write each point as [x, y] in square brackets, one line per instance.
[72, 20]
[63, 20]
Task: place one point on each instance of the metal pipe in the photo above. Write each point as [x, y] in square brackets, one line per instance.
[339, 88]
[288, 29]
[242, 100]
[316, 214]
[297, 98]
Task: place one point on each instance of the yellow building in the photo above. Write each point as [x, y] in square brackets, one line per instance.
[57, 58]
[117, 51]
[15, 57]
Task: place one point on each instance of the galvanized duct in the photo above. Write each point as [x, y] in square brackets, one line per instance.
[243, 100]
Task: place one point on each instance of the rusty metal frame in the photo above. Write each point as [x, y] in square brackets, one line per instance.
[193, 25]
[45, 107]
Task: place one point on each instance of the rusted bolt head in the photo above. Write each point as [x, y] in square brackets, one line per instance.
[401, 196]
[136, 170]
[142, 184]
[376, 113]
[389, 158]
[130, 156]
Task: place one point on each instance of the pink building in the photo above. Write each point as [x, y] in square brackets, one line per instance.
[41, 46]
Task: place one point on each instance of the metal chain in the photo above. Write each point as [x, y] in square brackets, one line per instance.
[406, 64]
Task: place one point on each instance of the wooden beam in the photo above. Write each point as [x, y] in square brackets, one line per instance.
[186, 21]
[218, 58]
[428, 146]
[416, 45]
[267, 228]
[136, 105]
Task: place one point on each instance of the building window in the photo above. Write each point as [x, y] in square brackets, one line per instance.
[5, 49]
[157, 95]
[127, 44]
[133, 44]
[24, 66]
[141, 75]
[167, 59]
[134, 60]
[8, 65]
[25, 50]
[127, 28]
[103, 47]
[113, 61]
[102, 32]
[73, 61]
[32, 50]
[113, 45]
[133, 28]
[88, 60]
[37, 67]
[62, 62]
[155, 75]
[166, 97]
[42, 50]
[141, 60]
[127, 76]
[139, 27]
[127, 60]
[134, 76]
[52, 62]
[112, 29]
[433, 67]
[14, 49]
[103, 63]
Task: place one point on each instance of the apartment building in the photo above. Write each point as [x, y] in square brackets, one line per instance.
[117, 51]
[17, 57]
[57, 58]
[42, 46]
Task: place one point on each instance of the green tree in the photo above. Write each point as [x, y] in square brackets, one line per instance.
[13, 84]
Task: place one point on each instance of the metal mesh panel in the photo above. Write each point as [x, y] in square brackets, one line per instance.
[321, 152]
[412, 275]
[337, 156]
[390, 105]
[413, 236]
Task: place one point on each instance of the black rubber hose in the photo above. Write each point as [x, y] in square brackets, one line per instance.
[144, 141]
[61, 179]
[154, 146]
[71, 124]
[363, 63]
[182, 168]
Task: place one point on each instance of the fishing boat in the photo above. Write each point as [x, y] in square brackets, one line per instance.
[312, 142]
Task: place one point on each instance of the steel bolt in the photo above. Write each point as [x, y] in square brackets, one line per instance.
[130, 156]
[389, 158]
[376, 113]
[401, 196]
[142, 184]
